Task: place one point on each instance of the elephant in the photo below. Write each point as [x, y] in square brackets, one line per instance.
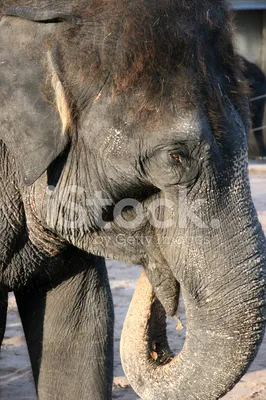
[128, 120]
[257, 83]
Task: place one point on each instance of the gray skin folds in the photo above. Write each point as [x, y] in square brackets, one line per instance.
[123, 134]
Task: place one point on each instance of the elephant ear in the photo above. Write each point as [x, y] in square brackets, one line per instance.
[34, 128]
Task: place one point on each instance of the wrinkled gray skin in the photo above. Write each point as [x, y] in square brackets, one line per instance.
[52, 241]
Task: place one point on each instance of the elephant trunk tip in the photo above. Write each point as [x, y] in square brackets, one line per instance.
[221, 350]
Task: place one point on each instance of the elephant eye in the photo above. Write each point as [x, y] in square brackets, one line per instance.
[175, 157]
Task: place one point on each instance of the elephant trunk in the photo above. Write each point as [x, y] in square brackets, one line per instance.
[222, 338]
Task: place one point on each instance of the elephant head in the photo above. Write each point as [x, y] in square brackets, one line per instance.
[128, 123]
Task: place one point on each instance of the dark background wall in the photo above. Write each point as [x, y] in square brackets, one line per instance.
[250, 19]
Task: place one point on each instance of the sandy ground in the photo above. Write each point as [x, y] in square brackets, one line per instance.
[15, 373]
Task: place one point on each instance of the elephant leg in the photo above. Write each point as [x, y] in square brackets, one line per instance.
[3, 311]
[69, 331]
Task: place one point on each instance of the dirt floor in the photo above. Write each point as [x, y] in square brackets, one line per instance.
[15, 374]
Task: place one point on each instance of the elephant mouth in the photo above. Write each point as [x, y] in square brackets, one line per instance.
[156, 331]
[158, 346]
[158, 327]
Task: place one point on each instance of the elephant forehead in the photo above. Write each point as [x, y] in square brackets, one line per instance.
[184, 125]
[124, 134]
[104, 136]
[113, 141]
